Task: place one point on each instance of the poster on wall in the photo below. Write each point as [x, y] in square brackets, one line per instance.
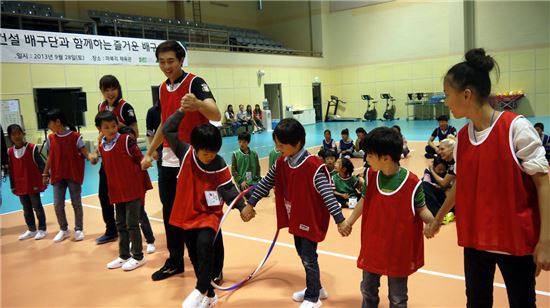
[38, 47]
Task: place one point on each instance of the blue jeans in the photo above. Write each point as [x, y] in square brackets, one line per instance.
[307, 250]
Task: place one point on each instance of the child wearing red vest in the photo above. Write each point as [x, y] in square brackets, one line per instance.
[204, 183]
[112, 93]
[25, 167]
[304, 202]
[65, 169]
[502, 190]
[121, 160]
[393, 213]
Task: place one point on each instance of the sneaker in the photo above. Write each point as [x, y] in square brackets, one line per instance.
[308, 304]
[165, 272]
[61, 235]
[194, 299]
[449, 217]
[132, 264]
[26, 235]
[106, 239]
[218, 280]
[299, 296]
[208, 302]
[116, 263]
[78, 235]
[40, 234]
[151, 247]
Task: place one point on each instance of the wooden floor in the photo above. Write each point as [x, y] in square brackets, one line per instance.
[74, 274]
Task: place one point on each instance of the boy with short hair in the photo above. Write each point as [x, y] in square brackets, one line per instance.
[121, 161]
[389, 192]
[245, 164]
[204, 183]
[304, 202]
[441, 133]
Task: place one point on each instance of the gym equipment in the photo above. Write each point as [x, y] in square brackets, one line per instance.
[334, 102]
[389, 113]
[370, 114]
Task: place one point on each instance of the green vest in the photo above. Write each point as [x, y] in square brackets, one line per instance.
[247, 167]
[345, 186]
[273, 155]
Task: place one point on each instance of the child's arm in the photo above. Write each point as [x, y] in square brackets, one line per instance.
[38, 159]
[348, 223]
[170, 133]
[229, 192]
[324, 188]
[46, 172]
[542, 250]
[424, 214]
[263, 187]
[134, 150]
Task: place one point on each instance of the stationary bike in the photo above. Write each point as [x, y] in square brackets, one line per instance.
[370, 114]
[389, 113]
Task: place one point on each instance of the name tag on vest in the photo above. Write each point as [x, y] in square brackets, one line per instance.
[304, 228]
[212, 198]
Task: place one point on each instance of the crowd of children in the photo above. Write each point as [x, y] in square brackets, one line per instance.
[501, 203]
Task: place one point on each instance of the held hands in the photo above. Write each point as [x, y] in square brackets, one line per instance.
[244, 185]
[542, 256]
[248, 213]
[190, 103]
[146, 162]
[344, 228]
[431, 229]
[92, 157]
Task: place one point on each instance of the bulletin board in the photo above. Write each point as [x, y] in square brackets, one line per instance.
[10, 112]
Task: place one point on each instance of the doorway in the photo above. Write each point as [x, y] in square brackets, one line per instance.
[272, 92]
[317, 102]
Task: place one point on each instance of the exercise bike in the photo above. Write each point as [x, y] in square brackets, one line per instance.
[370, 114]
[389, 113]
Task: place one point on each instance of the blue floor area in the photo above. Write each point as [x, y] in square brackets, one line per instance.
[263, 144]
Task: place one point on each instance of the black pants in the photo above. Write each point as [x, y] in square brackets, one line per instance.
[175, 237]
[127, 222]
[107, 209]
[31, 203]
[435, 197]
[518, 274]
[307, 250]
[146, 226]
[203, 254]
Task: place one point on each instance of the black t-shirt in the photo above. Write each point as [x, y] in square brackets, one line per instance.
[441, 135]
[153, 122]
[127, 113]
[199, 87]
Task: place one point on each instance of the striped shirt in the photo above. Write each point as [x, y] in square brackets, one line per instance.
[322, 185]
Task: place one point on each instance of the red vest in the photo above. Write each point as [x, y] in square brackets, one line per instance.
[171, 101]
[125, 179]
[391, 232]
[299, 205]
[496, 202]
[117, 111]
[66, 162]
[25, 173]
[191, 210]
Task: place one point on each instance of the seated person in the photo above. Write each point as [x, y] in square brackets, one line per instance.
[243, 118]
[346, 144]
[257, 116]
[230, 119]
[346, 186]
[406, 150]
[359, 145]
[327, 144]
[539, 127]
[330, 157]
[441, 133]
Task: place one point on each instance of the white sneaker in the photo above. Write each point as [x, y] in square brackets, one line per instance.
[116, 263]
[40, 234]
[151, 248]
[78, 235]
[26, 235]
[132, 264]
[61, 235]
[212, 301]
[193, 300]
[308, 304]
[299, 296]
